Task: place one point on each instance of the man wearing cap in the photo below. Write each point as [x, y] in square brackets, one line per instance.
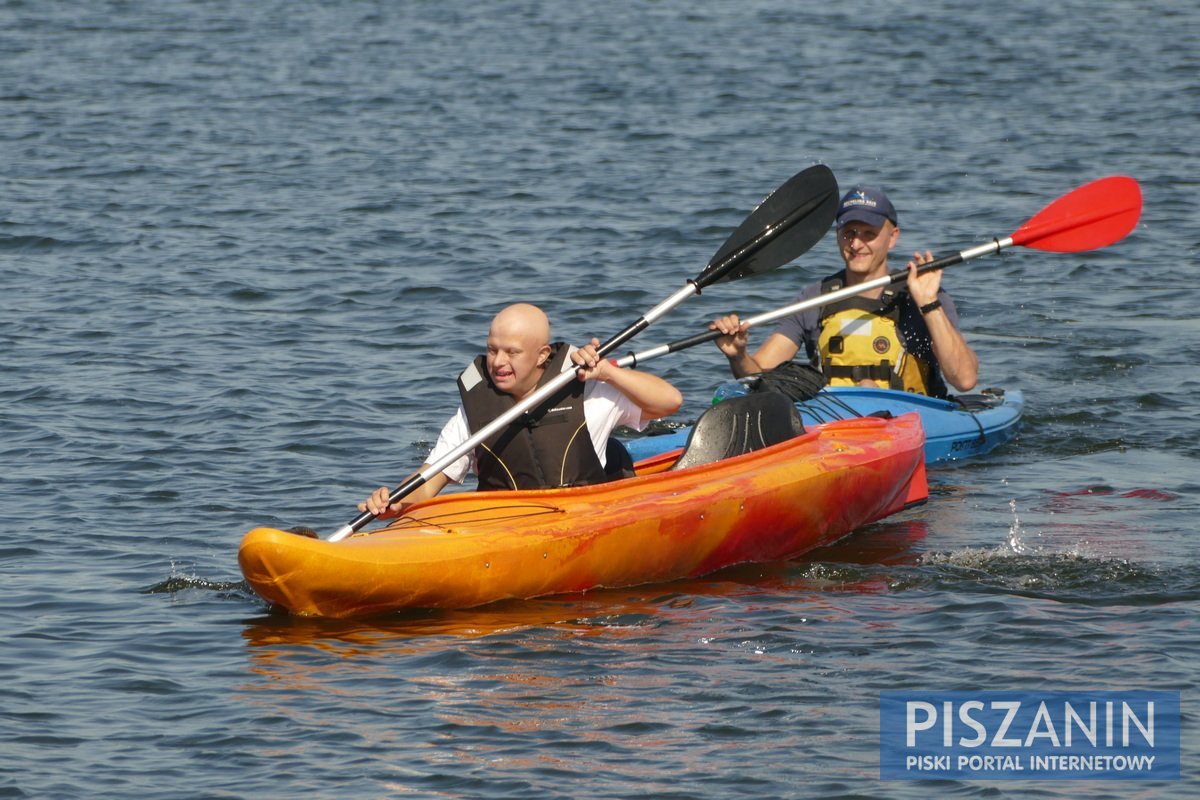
[887, 337]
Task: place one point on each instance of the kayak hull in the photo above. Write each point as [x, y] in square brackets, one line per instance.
[953, 430]
[467, 549]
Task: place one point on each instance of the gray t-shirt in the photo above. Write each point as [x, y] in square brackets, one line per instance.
[805, 330]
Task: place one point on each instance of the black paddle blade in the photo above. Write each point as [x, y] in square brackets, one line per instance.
[788, 223]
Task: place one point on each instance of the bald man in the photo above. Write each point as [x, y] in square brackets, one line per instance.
[563, 441]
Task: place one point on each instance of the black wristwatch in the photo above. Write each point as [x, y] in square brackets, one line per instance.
[928, 307]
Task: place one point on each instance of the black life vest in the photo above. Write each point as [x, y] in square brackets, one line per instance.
[549, 446]
[860, 340]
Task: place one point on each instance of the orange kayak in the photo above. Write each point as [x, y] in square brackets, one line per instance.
[471, 548]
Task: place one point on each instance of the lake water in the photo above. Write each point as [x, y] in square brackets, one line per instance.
[245, 247]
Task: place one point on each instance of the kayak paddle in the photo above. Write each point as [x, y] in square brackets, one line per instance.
[1092, 216]
[786, 224]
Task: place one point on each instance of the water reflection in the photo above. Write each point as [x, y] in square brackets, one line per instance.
[844, 566]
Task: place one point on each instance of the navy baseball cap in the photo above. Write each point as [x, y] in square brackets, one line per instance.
[866, 204]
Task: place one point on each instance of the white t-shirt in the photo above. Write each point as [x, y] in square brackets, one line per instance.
[603, 406]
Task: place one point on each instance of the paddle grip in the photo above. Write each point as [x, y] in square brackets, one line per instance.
[901, 275]
[692, 341]
[622, 337]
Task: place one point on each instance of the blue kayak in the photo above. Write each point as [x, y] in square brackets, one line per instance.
[962, 427]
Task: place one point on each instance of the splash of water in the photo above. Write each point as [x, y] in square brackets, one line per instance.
[1016, 541]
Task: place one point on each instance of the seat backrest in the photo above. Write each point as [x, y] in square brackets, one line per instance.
[740, 425]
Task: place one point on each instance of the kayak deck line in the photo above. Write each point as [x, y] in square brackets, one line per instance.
[497, 513]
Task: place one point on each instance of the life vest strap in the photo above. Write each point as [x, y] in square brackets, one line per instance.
[861, 372]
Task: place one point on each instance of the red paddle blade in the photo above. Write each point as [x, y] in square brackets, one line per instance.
[1095, 215]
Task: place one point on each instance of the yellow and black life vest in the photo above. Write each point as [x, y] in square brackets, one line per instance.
[550, 446]
[860, 340]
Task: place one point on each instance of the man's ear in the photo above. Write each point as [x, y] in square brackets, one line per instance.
[544, 355]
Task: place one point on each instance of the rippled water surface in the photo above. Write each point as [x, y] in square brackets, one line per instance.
[245, 247]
